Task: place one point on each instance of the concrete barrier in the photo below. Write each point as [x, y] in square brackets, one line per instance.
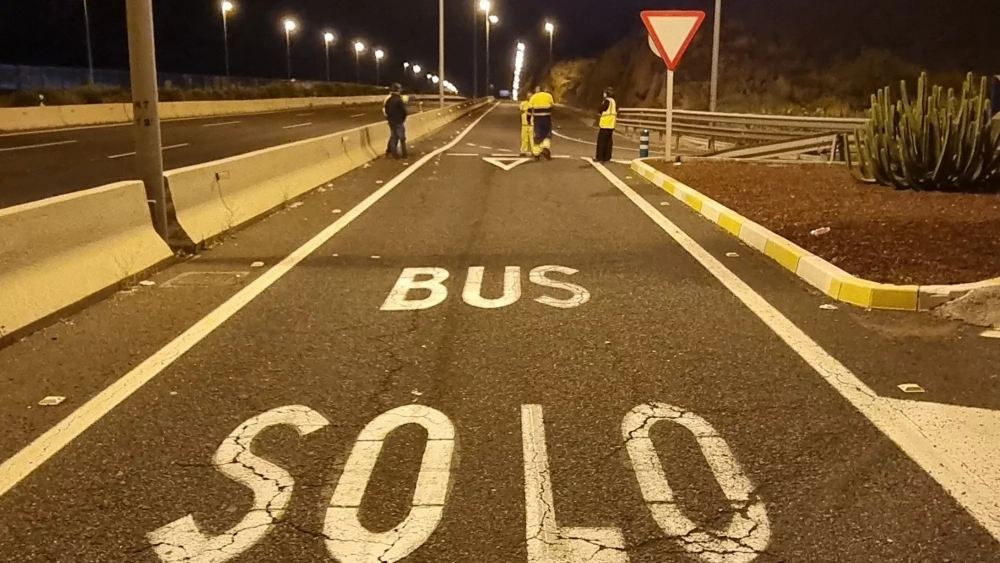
[54, 117]
[60, 251]
[212, 198]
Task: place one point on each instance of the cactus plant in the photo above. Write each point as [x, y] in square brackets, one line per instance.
[934, 142]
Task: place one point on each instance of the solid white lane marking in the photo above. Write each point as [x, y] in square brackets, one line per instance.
[304, 114]
[296, 126]
[347, 540]
[221, 124]
[272, 486]
[433, 282]
[38, 146]
[579, 295]
[123, 155]
[975, 487]
[357, 115]
[745, 537]
[463, 154]
[546, 541]
[59, 436]
[473, 292]
[621, 161]
[593, 144]
[992, 333]
[506, 163]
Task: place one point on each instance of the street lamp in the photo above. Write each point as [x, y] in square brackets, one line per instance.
[714, 96]
[90, 54]
[227, 7]
[485, 6]
[328, 39]
[416, 69]
[379, 55]
[359, 48]
[290, 26]
[491, 20]
[550, 28]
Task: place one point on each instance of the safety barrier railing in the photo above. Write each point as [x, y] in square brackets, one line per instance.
[737, 127]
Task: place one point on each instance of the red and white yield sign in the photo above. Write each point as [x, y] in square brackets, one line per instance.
[671, 32]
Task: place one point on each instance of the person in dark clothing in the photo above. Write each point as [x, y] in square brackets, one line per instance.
[608, 121]
[395, 112]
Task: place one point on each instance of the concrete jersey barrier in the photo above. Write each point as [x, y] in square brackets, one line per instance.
[57, 252]
[212, 198]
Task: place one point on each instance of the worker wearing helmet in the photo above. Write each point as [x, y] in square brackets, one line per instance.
[541, 103]
[607, 123]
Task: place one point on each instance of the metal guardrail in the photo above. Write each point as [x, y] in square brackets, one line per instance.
[738, 127]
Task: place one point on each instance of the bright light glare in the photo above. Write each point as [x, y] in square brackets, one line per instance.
[549, 27]
[416, 69]
[227, 7]
[484, 5]
[359, 47]
[429, 76]
[379, 54]
[406, 64]
[518, 67]
[494, 20]
[290, 25]
[435, 79]
[328, 37]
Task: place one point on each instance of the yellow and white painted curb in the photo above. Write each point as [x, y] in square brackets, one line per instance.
[815, 271]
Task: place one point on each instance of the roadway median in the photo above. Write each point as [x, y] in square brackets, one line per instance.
[58, 252]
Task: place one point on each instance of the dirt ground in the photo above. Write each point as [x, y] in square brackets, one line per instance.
[876, 233]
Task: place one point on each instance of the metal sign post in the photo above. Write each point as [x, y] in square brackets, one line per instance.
[669, 138]
[145, 106]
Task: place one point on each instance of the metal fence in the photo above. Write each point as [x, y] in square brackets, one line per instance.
[21, 77]
[738, 127]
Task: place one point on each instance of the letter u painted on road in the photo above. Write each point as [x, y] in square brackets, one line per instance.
[749, 529]
[348, 541]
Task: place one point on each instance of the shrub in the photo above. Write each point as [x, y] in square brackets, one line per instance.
[934, 142]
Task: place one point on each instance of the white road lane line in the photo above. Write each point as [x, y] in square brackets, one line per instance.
[221, 124]
[358, 115]
[123, 155]
[463, 154]
[38, 146]
[297, 125]
[26, 461]
[978, 496]
[304, 114]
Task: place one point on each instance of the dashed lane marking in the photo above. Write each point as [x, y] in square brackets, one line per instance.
[26, 461]
[123, 155]
[222, 124]
[971, 486]
[357, 115]
[463, 154]
[297, 125]
[38, 146]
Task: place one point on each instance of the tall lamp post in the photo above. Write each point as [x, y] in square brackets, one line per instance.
[490, 22]
[328, 39]
[379, 55]
[227, 7]
[441, 51]
[714, 96]
[550, 28]
[485, 6]
[90, 53]
[359, 48]
[290, 26]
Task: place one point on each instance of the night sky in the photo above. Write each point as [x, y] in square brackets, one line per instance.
[189, 32]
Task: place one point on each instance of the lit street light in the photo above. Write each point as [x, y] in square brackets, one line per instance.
[550, 28]
[485, 6]
[328, 39]
[359, 48]
[379, 55]
[227, 7]
[290, 26]
[90, 54]
[416, 69]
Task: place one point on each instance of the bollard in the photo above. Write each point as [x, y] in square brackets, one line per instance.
[644, 144]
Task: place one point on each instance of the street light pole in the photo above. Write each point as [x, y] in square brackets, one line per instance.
[145, 107]
[379, 55]
[550, 28]
[289, 28]
[441, 52]
[359, 48]
[475, 50]
[90, 54]
[226, 8]
[488, 53]
[714, 96]
[327, 40]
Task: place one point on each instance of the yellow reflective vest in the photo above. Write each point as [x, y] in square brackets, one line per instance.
[609, 118]
[541, 104]
[525, 118]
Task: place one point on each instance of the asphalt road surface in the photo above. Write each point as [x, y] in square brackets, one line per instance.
[472, 358]
[38, 165]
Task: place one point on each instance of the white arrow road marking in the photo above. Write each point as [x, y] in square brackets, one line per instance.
[181, 540]
[506, 163]
[972, 479]
[547, 542]
[348, 541]
[749, 529]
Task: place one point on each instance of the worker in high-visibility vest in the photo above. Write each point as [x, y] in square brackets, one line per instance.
[541, 103]
[607, 123]
[526, 132]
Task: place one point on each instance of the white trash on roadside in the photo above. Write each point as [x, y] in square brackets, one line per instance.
[911, 388]
[51, 401]
[829, 307]
[820, 232]
[147, 283]
[257, 265]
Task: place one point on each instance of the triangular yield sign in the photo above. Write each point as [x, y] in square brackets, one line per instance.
[502, 163]
[672, 32]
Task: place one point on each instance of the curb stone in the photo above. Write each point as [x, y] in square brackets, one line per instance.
[817, 272]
